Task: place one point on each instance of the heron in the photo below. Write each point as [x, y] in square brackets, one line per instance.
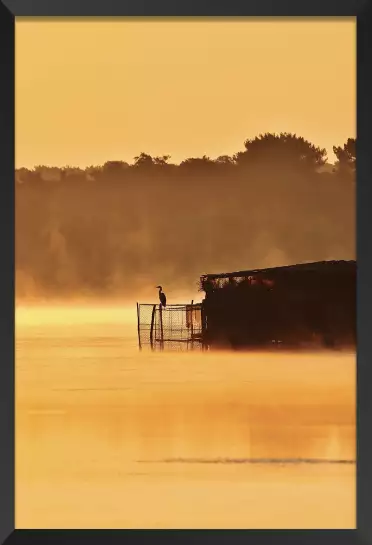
[162, 297]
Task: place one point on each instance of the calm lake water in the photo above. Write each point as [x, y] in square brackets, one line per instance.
[107, 437]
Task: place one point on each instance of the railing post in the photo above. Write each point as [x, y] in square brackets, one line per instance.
[204, 326]
[161, 327]
[152, 327]
[139, 327]
[192, 324]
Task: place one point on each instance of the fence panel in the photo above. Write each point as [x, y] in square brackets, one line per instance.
[175, 327]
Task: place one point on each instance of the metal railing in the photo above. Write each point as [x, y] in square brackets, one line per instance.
[174, 327]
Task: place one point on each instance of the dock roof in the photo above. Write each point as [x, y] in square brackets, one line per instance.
[316, 266]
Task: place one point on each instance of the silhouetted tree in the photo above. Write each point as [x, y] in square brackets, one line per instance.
[114, 167]
[346, 157]
[161, 161]
[225, 160]
[144, 160]
[198, 164]
[284, 149]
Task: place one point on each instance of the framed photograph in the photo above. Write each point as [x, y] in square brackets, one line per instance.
[185, 292]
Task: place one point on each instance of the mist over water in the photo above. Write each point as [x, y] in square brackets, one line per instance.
[110, 437]
[117, 230]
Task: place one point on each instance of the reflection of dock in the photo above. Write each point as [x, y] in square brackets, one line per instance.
[173, 327]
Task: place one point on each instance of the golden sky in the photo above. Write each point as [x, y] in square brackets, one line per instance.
[89, 91]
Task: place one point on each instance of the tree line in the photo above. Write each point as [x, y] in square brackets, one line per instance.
[120, 229]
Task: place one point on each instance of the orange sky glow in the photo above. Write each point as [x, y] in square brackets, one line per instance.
[89, 91]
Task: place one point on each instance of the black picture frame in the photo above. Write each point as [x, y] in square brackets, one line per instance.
[361, 9]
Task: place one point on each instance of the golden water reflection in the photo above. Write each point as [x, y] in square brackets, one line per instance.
[108, 437]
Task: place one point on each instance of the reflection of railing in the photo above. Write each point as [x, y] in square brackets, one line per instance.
[171, 327]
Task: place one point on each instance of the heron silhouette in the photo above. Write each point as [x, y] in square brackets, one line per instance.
[162, 297]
